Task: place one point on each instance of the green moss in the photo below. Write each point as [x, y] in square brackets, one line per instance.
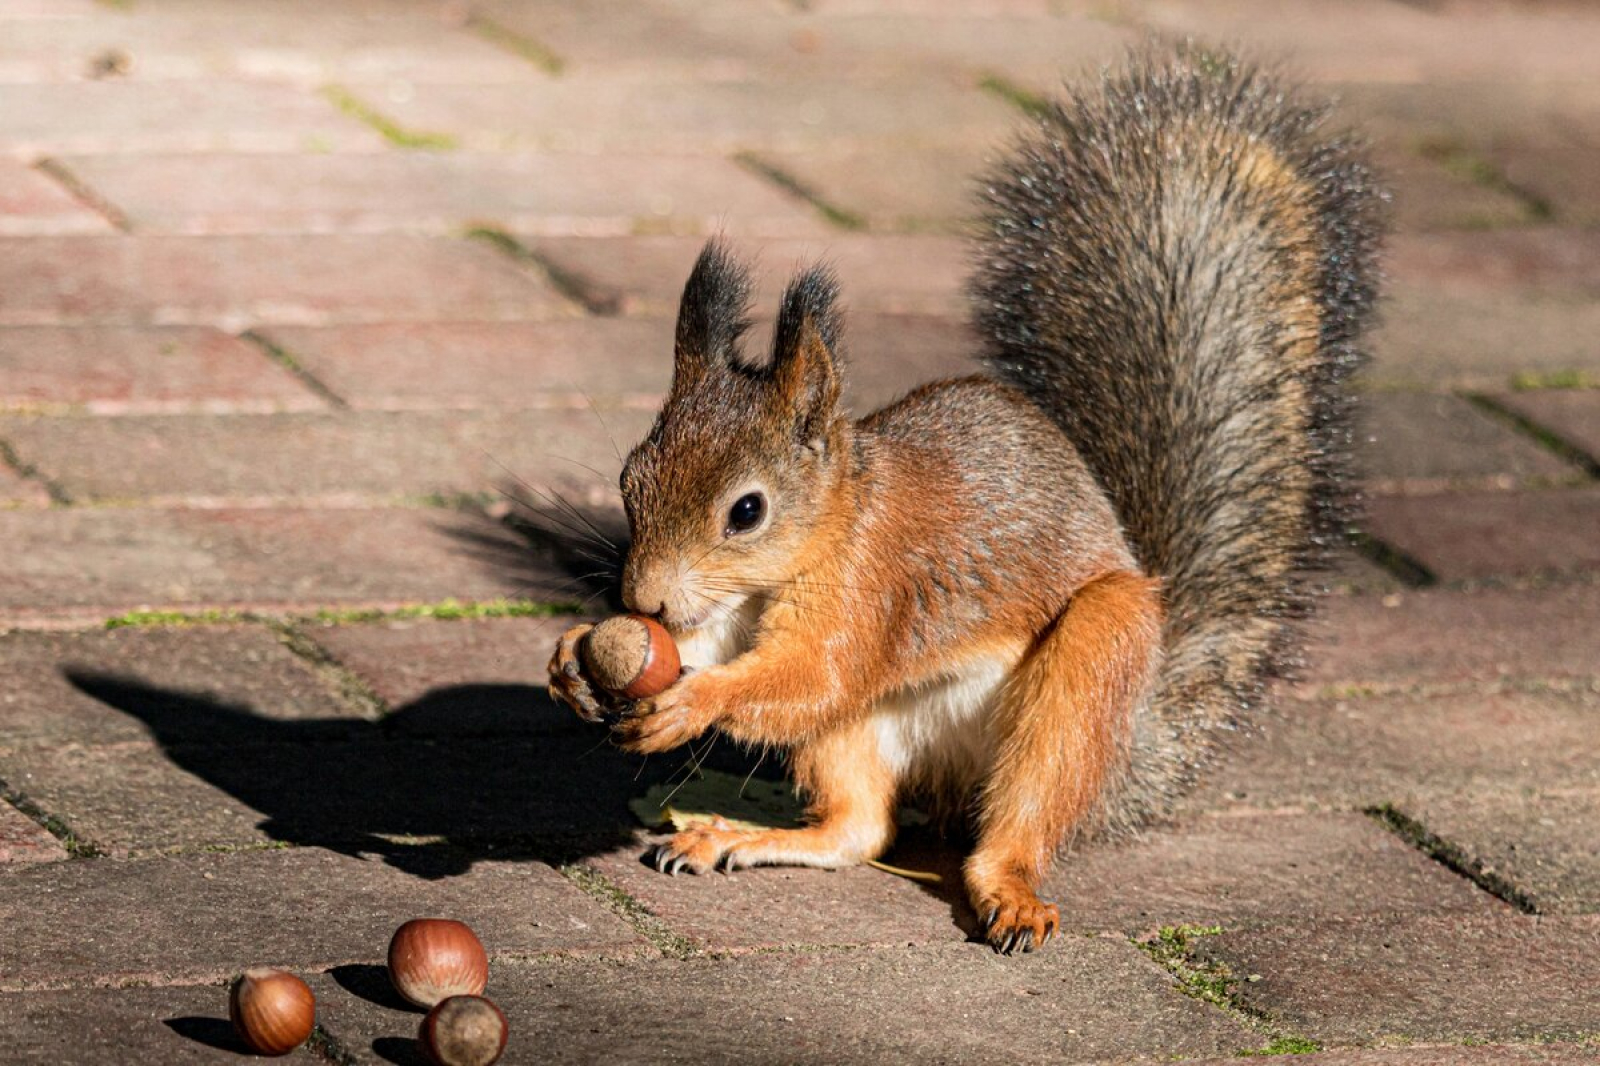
[448, 611]
[173, 619]
[387, 127]
[518, 43]
[598, 886]
[835, 214]
[1530, 380]
[1025, 100]
[1172, 946]
[1457, 158]
[1285, 1045]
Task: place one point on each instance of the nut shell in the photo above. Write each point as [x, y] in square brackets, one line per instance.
[464, 1031]
[273, 1011]
[432, 959]
[631, 656]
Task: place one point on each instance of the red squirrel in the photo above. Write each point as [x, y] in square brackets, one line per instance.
[1034, 597]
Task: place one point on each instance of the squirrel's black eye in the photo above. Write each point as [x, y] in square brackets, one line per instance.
[747, 512]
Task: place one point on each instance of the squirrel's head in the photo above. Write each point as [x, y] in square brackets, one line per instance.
[725, 492]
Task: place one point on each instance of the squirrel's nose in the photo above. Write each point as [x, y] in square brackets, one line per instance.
[652, 604]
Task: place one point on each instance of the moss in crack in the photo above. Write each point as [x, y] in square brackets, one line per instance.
[1172, 947]
[1457, 158]
[1451, 857]
[1284, 1045]
[447, 611]
[1547, 439]
[658, 933]
[1025, 100]
[1534, 380]
[388, 128]
[76, 846]
[761, 168]
[177, 619]
[534, 51]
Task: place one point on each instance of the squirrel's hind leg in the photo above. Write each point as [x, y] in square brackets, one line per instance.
[851, 794]
[1062, 723]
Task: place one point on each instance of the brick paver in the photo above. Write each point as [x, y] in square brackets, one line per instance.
[24, 840]
[1417, 638]
[1091, 1001]
[1421, 442]
[376, 455]
[440, 193]
[131, 370]
[304, 908]
[1388, 980]
[1573, 416]
[1363, 752]
[241, 281]
[291, 294]
[32, 202]
[89, 564]
[1485, 535]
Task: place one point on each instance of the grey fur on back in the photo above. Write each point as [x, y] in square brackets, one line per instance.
[1177, 264]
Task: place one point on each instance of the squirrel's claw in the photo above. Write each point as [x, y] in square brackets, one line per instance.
[1020, 924]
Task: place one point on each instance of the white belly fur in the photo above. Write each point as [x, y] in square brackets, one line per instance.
[941, 734]
[937, 734]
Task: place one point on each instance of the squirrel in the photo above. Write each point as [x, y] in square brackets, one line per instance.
[1036, 597]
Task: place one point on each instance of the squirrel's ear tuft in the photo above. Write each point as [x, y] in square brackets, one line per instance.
[713, 313]
[805, 352]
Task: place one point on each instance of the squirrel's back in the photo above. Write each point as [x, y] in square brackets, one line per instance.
[1177, 266]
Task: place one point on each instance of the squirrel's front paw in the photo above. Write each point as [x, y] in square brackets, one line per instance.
[569, 685]
[663, 722]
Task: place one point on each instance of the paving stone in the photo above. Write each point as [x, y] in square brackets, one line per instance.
[139, 116]
[441, 192]
[31, 202]
[222, 666]
[301, 908]
[1082, 1000]
[1437, 637]
[927, 190]
[254, 782]
[1436, 339]
[1542, 842]
[1355, 981]
[1466, 536]
[87, 564]
[1256, 870]
[394, 366]
[1382, 42]
[716, 117]
[1572, 415]
[369, 455]
[458, 678]
[22, 840]
[1443, 1055]
[126, 1025]
[1430, 197]
[120, 370]
[888, 274]
[17, 491]
[575, 362]
[273, 43]
[1360, 753]
[235, 282]
[1554, 259]
[1421, 442]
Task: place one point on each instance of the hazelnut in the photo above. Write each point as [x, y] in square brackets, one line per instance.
[271, 1010]
[464, 1031]
[631, 656]
[431, 959]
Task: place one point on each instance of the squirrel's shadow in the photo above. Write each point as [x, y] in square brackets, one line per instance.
[464, 773]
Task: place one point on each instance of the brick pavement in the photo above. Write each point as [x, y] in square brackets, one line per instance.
[294, 296]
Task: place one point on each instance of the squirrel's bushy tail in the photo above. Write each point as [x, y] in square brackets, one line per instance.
[1178, 265]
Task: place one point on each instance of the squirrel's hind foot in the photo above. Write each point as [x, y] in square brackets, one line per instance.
[1014, 919]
